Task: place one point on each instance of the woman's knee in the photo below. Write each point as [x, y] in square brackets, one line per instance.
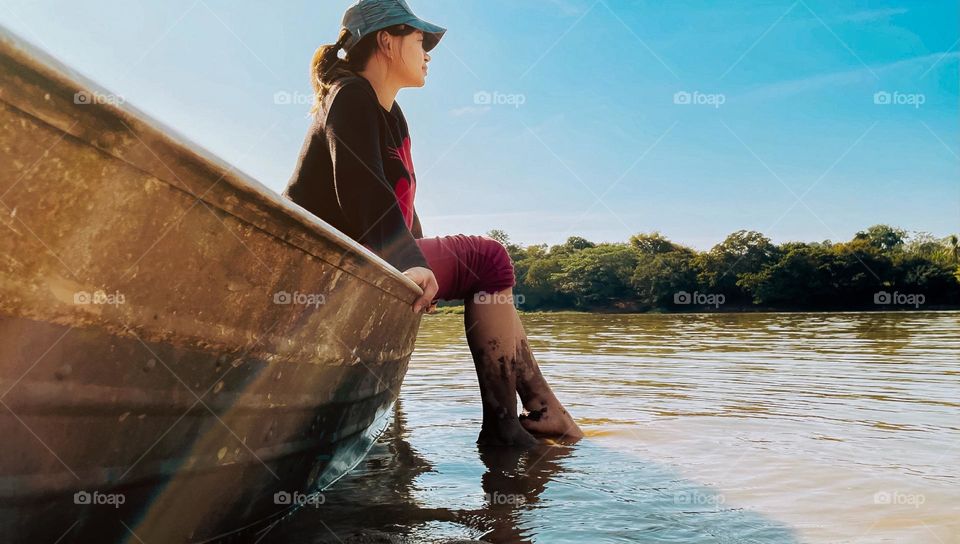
[499, 272]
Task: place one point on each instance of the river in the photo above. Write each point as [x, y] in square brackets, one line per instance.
[713, 428]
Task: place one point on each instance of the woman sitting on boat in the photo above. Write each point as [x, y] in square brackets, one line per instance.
[355, 171]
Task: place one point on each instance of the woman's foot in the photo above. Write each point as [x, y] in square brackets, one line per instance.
[551, 421]
[506, 433]
[545, 415]
[498, 397]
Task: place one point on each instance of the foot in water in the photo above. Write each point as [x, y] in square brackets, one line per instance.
[505, 431]
[551, 421]
[545, 416]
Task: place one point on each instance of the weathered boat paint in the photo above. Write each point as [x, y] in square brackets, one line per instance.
[171, 331]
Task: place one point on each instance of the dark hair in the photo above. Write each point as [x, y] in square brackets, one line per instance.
[327, 66]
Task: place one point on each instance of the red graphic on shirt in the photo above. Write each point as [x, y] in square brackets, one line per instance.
[405, 189]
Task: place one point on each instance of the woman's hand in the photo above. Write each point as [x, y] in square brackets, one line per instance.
[428, 282]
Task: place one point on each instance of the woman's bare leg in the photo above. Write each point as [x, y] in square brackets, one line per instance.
[505, 366]
[491, 337]
[545, 415]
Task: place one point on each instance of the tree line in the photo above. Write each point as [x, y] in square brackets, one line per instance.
[882, 267]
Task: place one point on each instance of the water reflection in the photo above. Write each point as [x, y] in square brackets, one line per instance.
[377, 496]
[512, 485]
[554, 493]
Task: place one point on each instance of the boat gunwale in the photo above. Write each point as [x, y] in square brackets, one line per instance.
[55, 73]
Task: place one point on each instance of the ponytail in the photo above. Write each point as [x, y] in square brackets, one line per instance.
[327, 66]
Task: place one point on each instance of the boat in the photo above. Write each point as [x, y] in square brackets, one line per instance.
[184, 354]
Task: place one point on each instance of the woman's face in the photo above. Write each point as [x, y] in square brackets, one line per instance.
[412, 64]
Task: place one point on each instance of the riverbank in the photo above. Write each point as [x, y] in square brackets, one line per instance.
[458, 309]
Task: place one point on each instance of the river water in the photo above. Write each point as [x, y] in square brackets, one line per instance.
[714, 428]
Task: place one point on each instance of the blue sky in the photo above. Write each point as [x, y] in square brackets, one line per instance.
[586, 134]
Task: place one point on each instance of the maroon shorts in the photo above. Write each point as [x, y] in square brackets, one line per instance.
[465, 265]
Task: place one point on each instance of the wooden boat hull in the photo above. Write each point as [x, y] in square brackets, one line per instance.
[178, 345]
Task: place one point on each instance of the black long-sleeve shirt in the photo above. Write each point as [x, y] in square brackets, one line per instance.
[355, 171]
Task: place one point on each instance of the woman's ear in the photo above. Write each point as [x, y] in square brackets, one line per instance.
[385, 41]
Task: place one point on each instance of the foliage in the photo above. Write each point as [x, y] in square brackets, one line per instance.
[746, 269]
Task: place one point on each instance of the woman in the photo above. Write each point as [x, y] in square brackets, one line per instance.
[355, 171]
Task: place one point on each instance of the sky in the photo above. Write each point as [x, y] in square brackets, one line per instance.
[806, 120]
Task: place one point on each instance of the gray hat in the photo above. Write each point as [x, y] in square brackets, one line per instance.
[368, 16]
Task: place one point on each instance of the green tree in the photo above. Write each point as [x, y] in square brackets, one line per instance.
[500, 236]
[598, 275]
[923, 244]
[883, 237]
[652, 244]
[746, 268]
[742, 252]
[539, 281]
[798, 279]
[952, 249]
[930, 276]
[572, 245]
[857, 269]
[657, 278]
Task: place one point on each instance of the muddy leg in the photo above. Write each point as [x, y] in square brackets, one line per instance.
[493, 342]
[545, 415]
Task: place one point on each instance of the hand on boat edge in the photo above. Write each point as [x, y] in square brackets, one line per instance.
[428, 283]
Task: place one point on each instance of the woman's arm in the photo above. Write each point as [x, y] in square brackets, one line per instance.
[364, 195]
